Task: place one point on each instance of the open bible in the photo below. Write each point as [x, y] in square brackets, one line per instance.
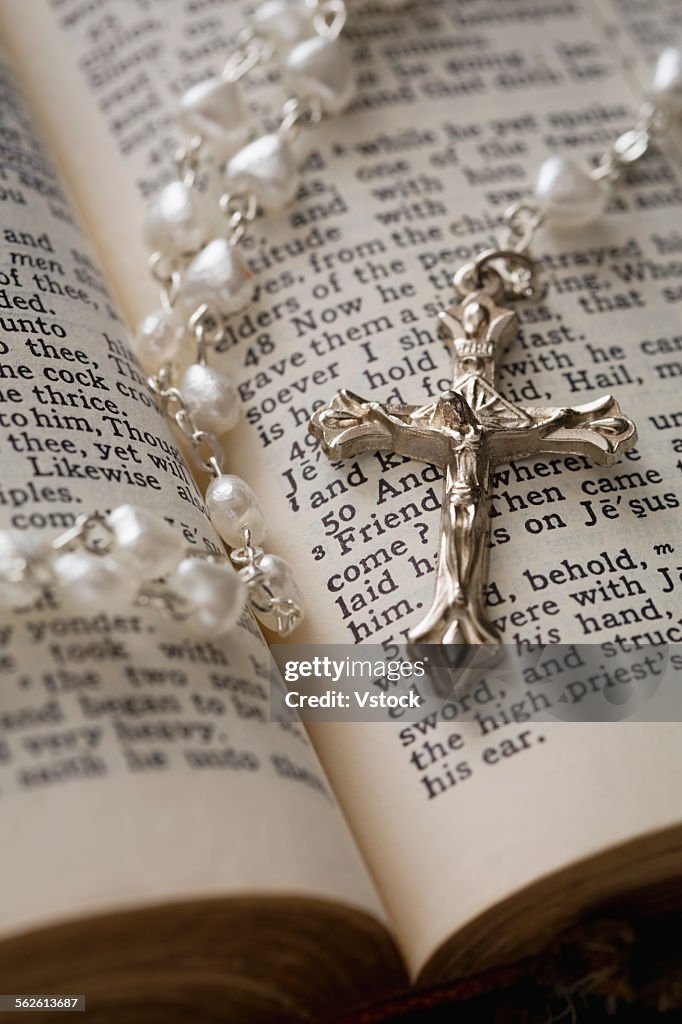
[166, 849]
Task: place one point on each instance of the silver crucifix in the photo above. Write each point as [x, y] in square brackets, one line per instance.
[466, 431]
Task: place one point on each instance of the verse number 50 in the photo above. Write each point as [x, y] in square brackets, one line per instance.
[332, 525]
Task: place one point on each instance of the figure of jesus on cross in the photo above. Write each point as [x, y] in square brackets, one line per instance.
[466, 431]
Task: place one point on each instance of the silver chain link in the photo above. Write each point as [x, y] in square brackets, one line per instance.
[247, 560]
[187, 161]
[166, 273]
[522, 221]
[297, 113]
[632, 145]
[239, 210]
[91, 532]
[330, 18]
[157, 595]
[208, 330]
[251, 50]
[205, 447]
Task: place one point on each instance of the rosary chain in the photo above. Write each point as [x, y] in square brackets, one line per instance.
[104, 552]
[203, 282]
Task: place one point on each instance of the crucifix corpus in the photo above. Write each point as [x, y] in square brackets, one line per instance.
[466, 431]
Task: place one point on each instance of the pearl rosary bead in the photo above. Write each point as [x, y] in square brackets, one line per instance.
[176, 221]
[232, 505]
[267, 168]
[211, 398]
[278, 577]
[214, 592]
[666, 88]
[321, 68]
[567, 195]
[215, 111]
[218, 276]
[90, 581]
[159, 339]
[284, 22]
[144, 542]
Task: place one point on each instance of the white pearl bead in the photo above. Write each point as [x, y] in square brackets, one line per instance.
[232, 505]
[321, 68]
[566, 194]
[176, 221]
[284, 21]
[215, 110]
[279, 579]
[144, 541]
[159, 339]
[90, 582]
[666, 88]
[267, 168]
[15, 590]
[218, 276]
[215, 594]
[211, 397]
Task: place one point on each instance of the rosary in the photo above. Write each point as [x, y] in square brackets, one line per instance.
[132, 555]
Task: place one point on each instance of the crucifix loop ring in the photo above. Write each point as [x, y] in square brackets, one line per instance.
[516, 271]
[467, 280]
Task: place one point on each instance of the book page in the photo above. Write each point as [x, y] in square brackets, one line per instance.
[458, 105]
[137, 762]
[640, 31]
